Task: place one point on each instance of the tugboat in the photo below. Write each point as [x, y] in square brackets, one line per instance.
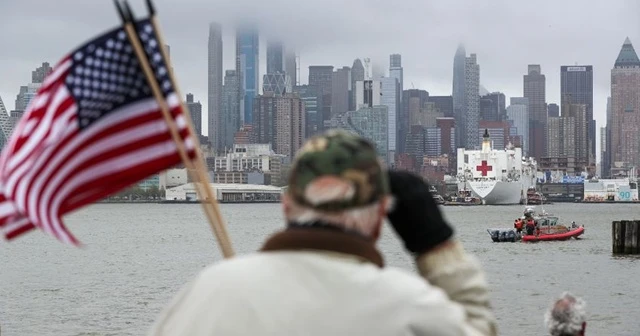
[535, 198]
[439, 199]
[436, 197]
[463, 197]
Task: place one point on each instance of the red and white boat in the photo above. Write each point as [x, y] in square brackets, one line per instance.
[548, 229]
[571, 233]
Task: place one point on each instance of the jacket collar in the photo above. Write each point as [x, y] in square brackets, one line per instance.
[324, 237]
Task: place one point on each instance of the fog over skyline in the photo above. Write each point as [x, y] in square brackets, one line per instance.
[505, 35]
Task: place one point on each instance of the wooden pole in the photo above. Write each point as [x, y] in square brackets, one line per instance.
[617, 233]
[636, 250]
[625, 237]
[205, 192]
[631, 238]
[628, 236]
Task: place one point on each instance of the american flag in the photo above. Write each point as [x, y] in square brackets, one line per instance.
[93, 129]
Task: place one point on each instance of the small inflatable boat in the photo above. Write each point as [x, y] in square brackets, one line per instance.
[573, 233]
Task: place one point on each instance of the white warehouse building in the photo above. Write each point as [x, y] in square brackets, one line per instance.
[228, 193]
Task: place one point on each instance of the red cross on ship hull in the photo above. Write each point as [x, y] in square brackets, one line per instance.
[484, 168]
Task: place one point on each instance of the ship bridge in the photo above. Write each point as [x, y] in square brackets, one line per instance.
[489, 163]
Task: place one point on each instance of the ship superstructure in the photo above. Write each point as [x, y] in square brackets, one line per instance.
[496, 176]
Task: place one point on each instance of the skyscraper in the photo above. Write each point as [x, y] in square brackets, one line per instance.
[472, 102]
[459, 96]
[413, 100]
[369, 122]
[20, 104]
[280, 120]
[625, 106]
[377, 70]
[230, 108]
[214, 82]
[195, 110]
[395, 68]
[275, 54]
[493, 107]
[6, 126]
[444, 104]
[606, 160]
[391, 99]
[248, 68]
[310, 99]
[291, 67]
[535, 91]
[396, 71]
[340, 82]
[553, 110]
[321, 81]
[3, 109]
[576, 87]
[27, 92]
[603, 151]
[518, 113]
[168, 49]
[567, 138]
[357, 74]
[276, 80]
[580, 142]
[38, 75]
[368, 93]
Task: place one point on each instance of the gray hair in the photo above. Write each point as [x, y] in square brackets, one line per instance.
[567, 316]
[360, 219]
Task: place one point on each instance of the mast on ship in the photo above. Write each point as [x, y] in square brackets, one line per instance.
[486, 142]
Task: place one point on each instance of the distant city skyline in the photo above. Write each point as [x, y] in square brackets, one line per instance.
[504, 43]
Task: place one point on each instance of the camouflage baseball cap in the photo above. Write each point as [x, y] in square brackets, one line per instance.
[336, 171]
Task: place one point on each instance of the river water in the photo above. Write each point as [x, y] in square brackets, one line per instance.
[136, 256]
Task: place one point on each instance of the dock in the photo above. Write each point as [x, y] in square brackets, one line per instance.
[447, 203]
[625, 237]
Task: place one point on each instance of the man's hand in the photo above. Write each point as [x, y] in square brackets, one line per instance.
[416, 216]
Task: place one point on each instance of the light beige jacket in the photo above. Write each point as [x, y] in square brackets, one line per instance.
[296, 291]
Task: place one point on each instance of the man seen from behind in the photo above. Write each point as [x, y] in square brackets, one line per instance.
[323, 275]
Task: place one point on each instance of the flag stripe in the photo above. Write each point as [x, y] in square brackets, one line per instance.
[42, 130]
[128, 160]
[123, 179]
[18, 228]
[68, 125]
[6, 209]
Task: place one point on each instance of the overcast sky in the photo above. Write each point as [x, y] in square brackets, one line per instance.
[506, 35]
